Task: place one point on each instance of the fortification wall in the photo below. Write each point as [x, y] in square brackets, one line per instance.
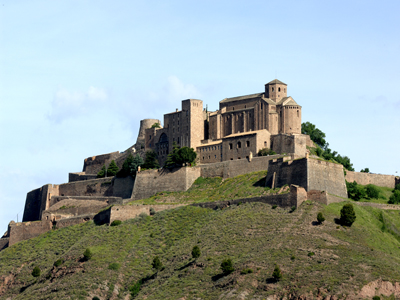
[122, 187]
[23, 231]
[150, 182]
[281, 172]
[79, 176]
[92, 165]
[94, 187]
[368, 178]
[326, 176]
[74, 221]
[38, 201]
[232, 168]
[4, 243]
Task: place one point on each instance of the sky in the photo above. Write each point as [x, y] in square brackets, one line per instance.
[76, 77]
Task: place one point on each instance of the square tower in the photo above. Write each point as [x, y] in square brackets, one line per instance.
[275, 90]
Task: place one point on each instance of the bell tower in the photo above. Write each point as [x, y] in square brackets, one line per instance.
[275, 90]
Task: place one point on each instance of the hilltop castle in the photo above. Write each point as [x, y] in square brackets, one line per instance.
[241, 126]
[226, 141]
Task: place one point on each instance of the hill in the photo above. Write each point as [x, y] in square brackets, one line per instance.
[315, 259]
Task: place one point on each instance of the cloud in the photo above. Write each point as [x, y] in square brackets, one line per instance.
[68, 104]
[177, 90]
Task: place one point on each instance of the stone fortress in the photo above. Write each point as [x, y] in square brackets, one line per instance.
[226, 141]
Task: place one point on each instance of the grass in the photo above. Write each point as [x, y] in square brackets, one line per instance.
[215, 189]
[384, 194]
[253, 235]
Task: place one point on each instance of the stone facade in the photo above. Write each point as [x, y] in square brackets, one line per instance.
[369, 178]
[241, 126]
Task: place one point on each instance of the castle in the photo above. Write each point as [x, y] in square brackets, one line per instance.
[226, 141]
[242, 126]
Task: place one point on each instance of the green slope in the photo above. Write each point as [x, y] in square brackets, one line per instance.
[253, 235]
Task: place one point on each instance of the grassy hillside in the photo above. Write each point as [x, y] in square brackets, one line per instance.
[328, 257]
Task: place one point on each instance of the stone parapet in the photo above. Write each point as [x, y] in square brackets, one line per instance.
[375, 179]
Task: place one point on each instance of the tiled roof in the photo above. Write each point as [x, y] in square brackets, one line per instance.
[276, 81]
[252, 96]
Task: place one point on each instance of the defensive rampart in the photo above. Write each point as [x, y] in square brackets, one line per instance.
[23, 231]
[92, 165]
[37, 201]
[232, 168]
[376, 179]
[150, 182]
[309, 173]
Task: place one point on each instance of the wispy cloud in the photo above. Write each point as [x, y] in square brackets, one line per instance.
[69, 104]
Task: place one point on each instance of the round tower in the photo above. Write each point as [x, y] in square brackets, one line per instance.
[144, 124]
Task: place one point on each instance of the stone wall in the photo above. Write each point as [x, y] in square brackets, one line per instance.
[150, 182]
[281, 172]
[94, 187]
[122, 187]
[369, 178]
[37, 201]
[78, 176]
[74, 221]
[232, 168]
[326, 176]
[27, 230]
[4, 243]
[92, 165]
[289, 143]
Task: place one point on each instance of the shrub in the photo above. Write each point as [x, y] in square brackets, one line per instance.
[292, 209]
[196, 252]
[87, 254]
[36, 271]
[152, 211]
[274, 206]
[372, 191]
[227, 266]
[311, 254]
[320, 218]
[116, 223]
[366, 170]
[347, 215]
[58, 262]
[95, 298]
[395, 197]
[156, 125]
[277, 274]
[293, 257]
[156, 264]
[355, 191]
[114, 266]
[376, 298]
[265, 152]
[246, 271]
[397, 187]
[112, 169]
[135, 289]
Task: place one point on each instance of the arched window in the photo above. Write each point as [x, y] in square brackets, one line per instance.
[279, 89]
[230, 146]
[239, 145]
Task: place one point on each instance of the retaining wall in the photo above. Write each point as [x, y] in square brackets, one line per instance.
[23, 231]
[79, 176]
[368, 178]
[94, 187]
[150, 182]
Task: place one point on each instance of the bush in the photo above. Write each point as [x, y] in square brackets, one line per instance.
[277, 274]
[320, 218]
[116, 223]
[366, 170]
[36, 271]
[246, 271]
[397, 187]
[355, 191]
[372, 191]
[227, 266]
[87, 254]
[347, 215]
[102, 172]
[156, 125]
[292, 209]
[156, 264]
[376, 298]
[58, 263]
[112, 169]
[180, 156]
[395, 197]
[95, 298]
[274, 206]
[265, 152]
[196, 252]
[152, 211]
[135, 289]
[311, 254]
[114, 266]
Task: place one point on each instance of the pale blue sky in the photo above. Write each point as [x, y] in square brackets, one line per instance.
[76, 77]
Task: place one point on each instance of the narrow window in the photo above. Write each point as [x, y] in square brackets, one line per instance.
[230, 146]
[247, 143]
[239, 145]
[279, 89]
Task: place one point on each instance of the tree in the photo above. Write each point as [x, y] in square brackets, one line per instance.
[347, 215]
[179, 157]
[395, 197]
[355, 191]
[316, 135]
[102, 172]
[156, 264]
[87, 254]
[36, 271]
[277, 274]
[366, 170]
[320, 218]
[196, 252]
[130, 166]
[151, 161]
[372, 191]
[112, 169]
[156, 125]
[227, 266]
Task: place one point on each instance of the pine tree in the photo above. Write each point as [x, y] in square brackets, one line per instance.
[102, 172]
[112, 169]
[196, 252]
[151, 161]
[347, 215]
